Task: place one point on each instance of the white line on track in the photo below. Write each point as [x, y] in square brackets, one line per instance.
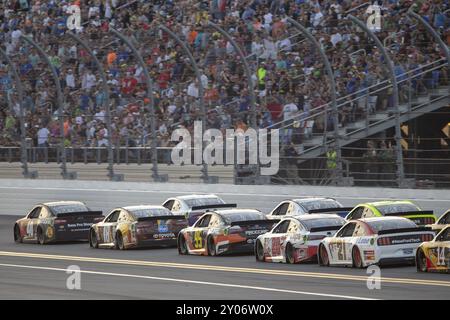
[221, 193]
[217, 284]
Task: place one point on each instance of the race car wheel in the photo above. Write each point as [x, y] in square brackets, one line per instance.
[119, 241]
[259, 254]
[40, 236]
[356, 258]
[211, 247]
[17, 237]
[323, 256]
[421, 262]
[93, 242]
[182, 246]
[290, 254]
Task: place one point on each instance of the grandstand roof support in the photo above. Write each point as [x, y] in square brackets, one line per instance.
[251, 88]
[23, 144]
[101, 70]
[339, 168]
[156, 177]
[435, 35]
[390, 67]
[201, 90]
[60, 100]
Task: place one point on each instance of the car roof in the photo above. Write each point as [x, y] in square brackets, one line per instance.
[313, 216]
[388, 202]
[234, 211]
[60, 203]
[143, 207]
[196, 196]
[374, 219]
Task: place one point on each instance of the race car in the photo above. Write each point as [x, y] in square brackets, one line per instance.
[301, 206]
[56, 221]
[137, 226]
[296, 238]
[224, 231]
[441, 223]
[381, 240]
[435, 255]
[405, 209]
[194, 205]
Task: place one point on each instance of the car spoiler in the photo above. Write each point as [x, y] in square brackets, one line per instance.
[404, 230]
[252, 222]
[331, 210]
[79, 213]
[408, 213]
[160, 218]
[215, 206]
[318, 229]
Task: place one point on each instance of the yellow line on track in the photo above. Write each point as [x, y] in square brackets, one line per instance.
[226, 269]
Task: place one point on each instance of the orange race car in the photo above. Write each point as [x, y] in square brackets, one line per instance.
[224, 231]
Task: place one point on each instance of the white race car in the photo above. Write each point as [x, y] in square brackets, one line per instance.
[380, 240]
[296, 238]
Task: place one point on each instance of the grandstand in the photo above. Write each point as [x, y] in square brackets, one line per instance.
[355, 104]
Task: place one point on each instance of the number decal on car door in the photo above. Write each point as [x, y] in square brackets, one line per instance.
[198, 242]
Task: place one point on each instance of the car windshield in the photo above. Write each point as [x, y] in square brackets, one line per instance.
[382, 224]
[326, 222]
[319, 204]
[204, 201]
[397, 208]
[243, 216]
[150, 212]
[69, 208]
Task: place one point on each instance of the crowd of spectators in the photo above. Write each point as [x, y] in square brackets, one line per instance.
[291, 85]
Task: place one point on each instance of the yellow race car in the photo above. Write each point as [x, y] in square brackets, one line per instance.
[442, 222]
[402, 208]
[435, 255]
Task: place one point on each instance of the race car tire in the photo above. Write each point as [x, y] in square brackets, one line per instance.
[119, 241]
[93, 242]
[421, 261]
[259, 251]
[182, 246]
[356, 258]
[211, 247]
[40, 236]
[323, 256]
[17, 236]
[289, 253]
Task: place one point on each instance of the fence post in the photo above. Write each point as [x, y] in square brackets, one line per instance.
[106, 103]
[150, 95]
[390, 66]
[329, 70]
[201, 90]
[23, 144]
[251, 89]
[60, 100]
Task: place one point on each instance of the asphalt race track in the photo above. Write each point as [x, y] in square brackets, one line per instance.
[29, 271]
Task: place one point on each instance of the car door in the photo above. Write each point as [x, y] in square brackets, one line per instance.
[274, 239]
[46, 223]
[338, 245]
[107, 228]
[440, 249]
[197, 235]
[31, 223]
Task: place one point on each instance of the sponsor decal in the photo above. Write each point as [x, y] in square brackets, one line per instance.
[363, 241]
[163, 235]
[79, 225]
[255, 232]
[162, 226]
[405, 240]
[50, 232]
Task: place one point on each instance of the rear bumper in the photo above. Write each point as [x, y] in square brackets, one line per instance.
[157, 243]
[397, 261]
[68, 235]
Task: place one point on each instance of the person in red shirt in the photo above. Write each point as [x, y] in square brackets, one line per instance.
[275, 108]
[128, 84]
